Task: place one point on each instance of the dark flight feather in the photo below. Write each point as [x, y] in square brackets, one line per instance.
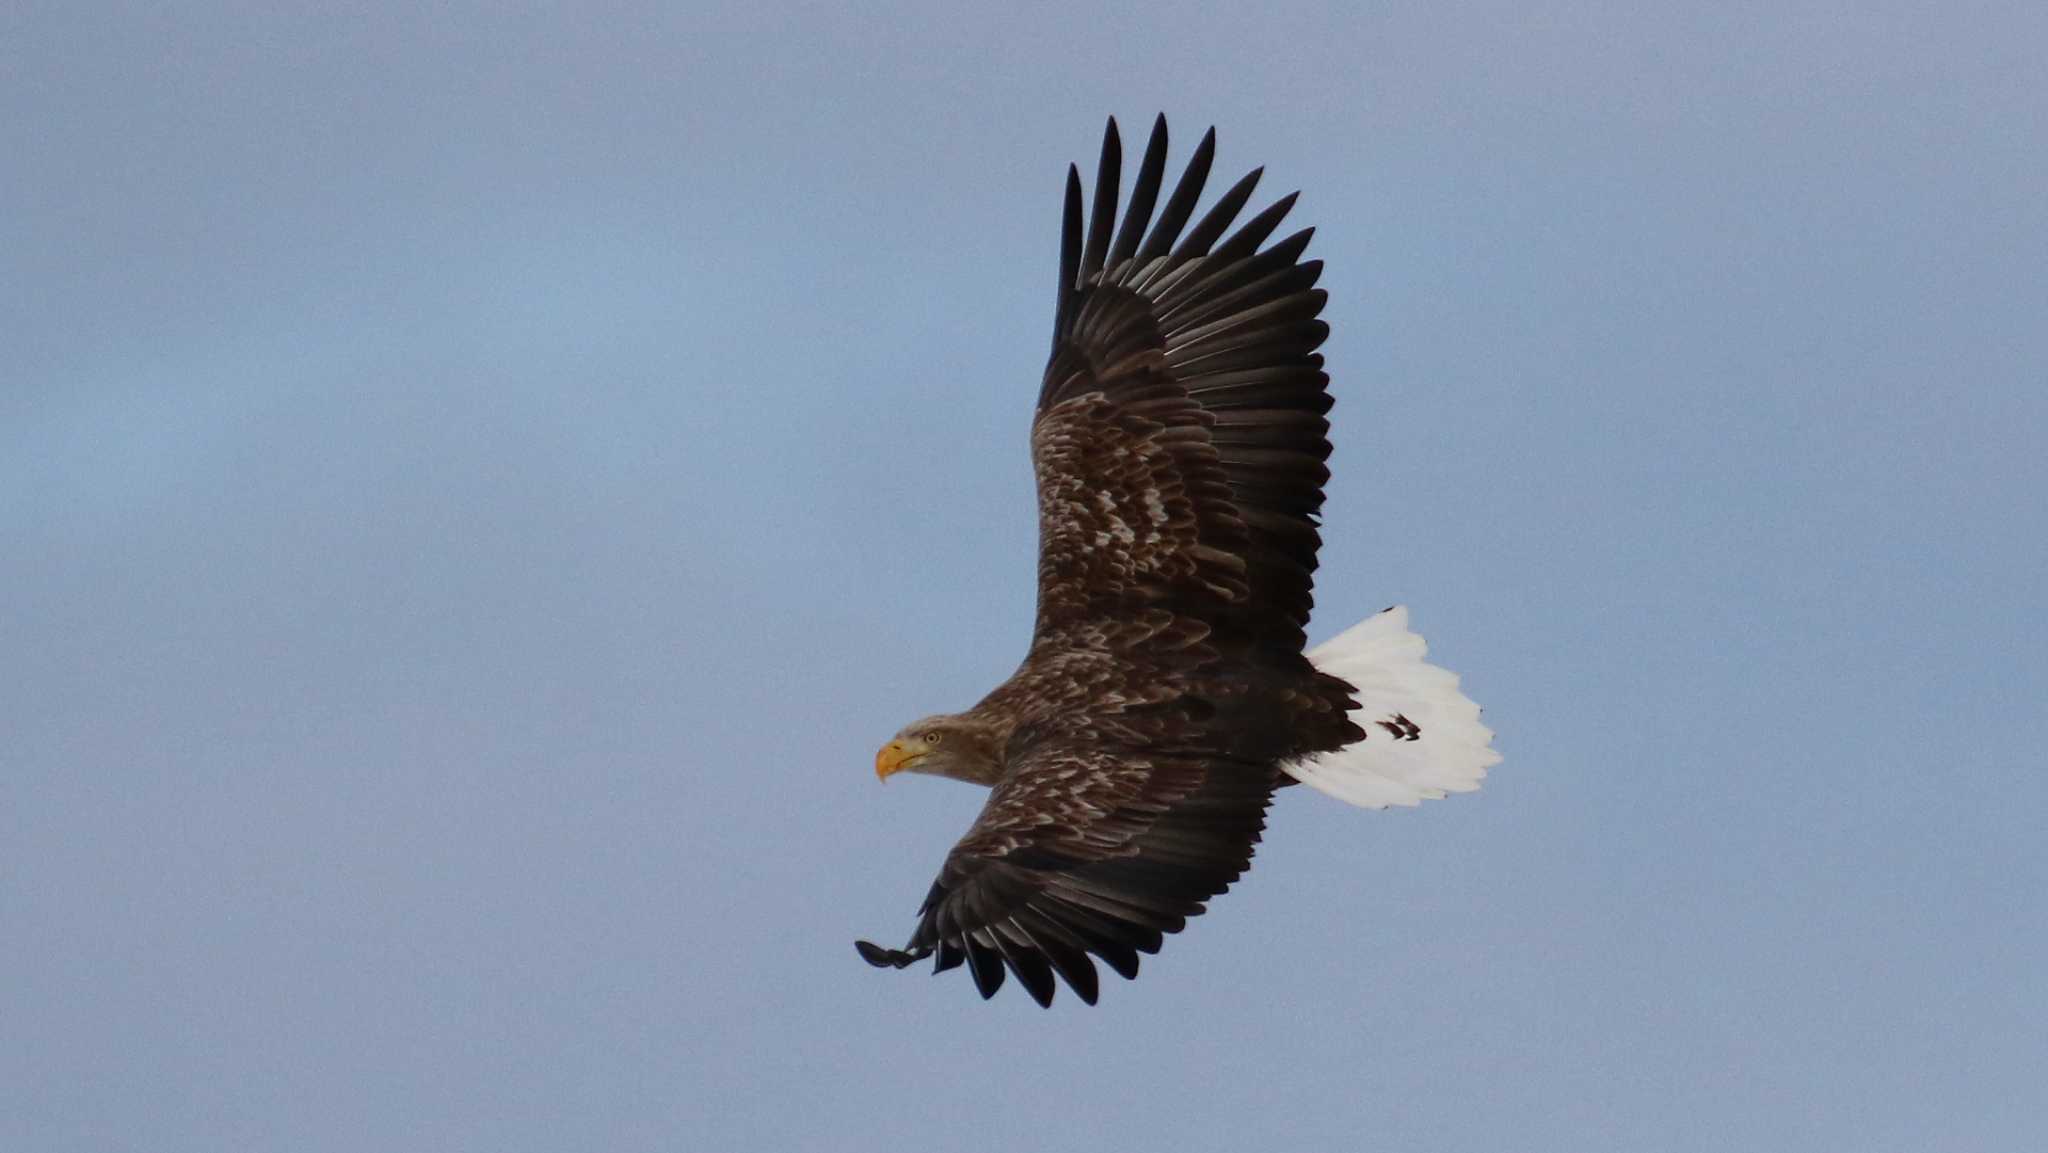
[1144, 194]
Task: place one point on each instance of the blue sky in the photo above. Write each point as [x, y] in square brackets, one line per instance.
[479, 482]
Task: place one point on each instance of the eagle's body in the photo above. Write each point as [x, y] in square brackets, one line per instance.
[1179, 445]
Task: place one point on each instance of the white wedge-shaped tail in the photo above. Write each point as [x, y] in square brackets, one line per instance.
[1423, 738]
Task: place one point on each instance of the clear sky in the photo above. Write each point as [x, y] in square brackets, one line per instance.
[478, 482]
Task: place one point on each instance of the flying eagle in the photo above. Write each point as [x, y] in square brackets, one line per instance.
[1179, 445]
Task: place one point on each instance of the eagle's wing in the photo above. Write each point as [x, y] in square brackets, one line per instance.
[1180, 437]
[1085, 849]
[1179, 444]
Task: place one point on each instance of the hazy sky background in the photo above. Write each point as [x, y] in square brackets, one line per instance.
[477, 483]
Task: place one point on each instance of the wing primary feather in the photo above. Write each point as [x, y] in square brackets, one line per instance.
[1025, 960]
[1219, 217]
[1181, 204]
[985, 964]
[1144, 194]
[1235, 347]
[1299, 306]
[1198, 280]
[950, 957]
[1246, 241]
[1099, 937]
[882, 958]
[1070, 256]
[1293, 246]
[1066, 952]
[1103, 214]
[1210, 301]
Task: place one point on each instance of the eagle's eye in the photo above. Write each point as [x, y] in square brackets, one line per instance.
[932, 737]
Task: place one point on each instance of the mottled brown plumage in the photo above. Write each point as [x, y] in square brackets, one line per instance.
[1179, 446]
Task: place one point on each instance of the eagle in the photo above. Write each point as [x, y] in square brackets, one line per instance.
[1179, 444]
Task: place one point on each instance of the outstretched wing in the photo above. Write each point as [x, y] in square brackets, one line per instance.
[1179, 445]
[1085, 852]
[1180, 437]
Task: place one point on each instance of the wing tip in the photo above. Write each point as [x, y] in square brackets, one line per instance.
[882, 958]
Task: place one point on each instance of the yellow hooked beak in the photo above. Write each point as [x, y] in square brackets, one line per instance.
[895, 757]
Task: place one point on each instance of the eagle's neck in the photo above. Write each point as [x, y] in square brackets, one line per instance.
[989, 731]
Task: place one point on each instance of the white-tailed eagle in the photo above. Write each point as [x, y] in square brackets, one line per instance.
[1179, 442]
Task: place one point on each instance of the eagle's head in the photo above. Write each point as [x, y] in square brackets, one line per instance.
[942, 746]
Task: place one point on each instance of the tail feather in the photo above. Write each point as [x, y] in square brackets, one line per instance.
[1423, 737]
